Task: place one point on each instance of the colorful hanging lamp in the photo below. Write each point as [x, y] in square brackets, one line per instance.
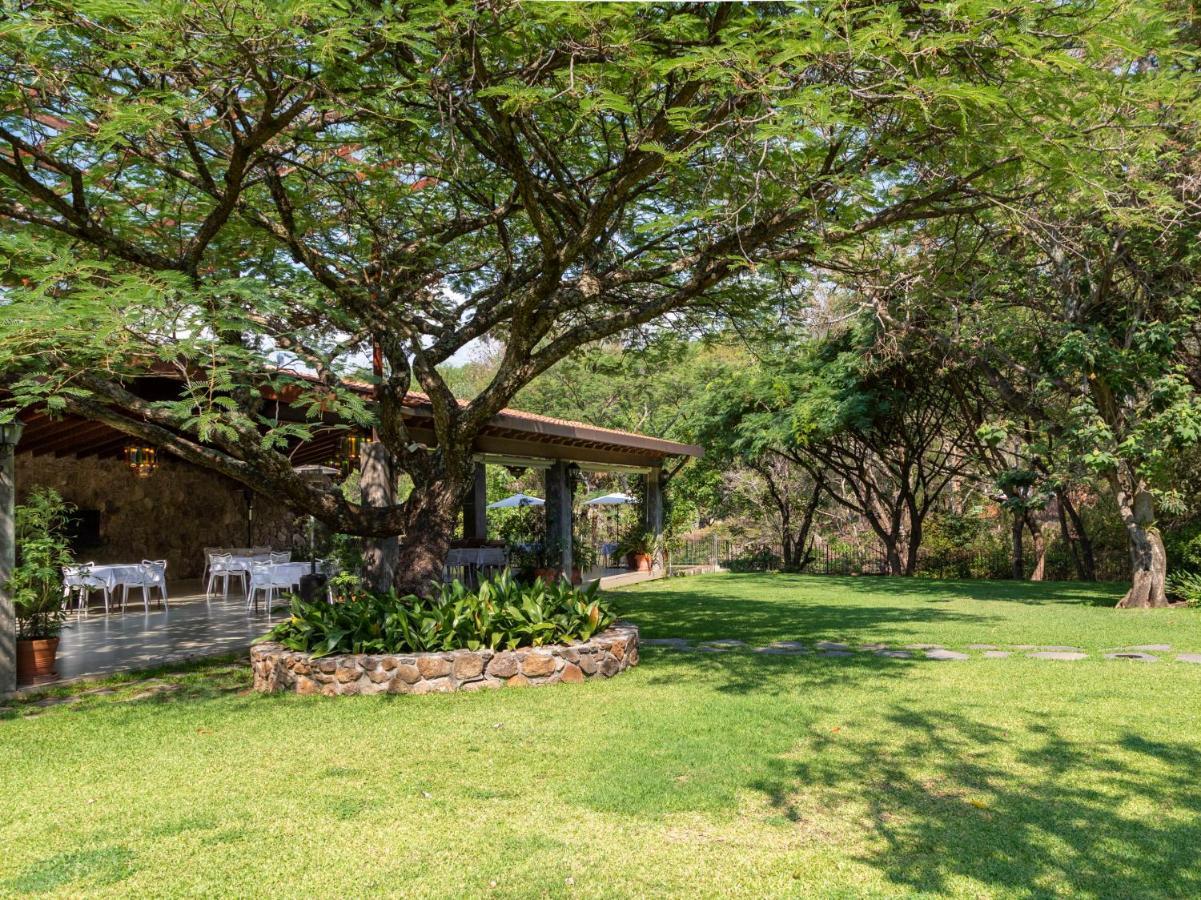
[141, 459]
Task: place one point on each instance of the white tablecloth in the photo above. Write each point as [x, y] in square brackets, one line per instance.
[476, 556]
[116, 575]
[243, 563]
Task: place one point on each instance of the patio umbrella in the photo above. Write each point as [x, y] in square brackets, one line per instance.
[515, 501]
[617, 499]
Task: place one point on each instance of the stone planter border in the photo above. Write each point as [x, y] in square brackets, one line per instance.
[279, 670]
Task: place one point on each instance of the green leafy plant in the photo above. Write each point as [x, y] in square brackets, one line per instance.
[501, 614]
[42, 550]
[1186, 586]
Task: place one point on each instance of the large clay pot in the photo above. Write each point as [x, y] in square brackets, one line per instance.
[638, 562]
[35, 659]
[549, 574]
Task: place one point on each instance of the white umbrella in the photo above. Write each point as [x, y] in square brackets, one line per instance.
[617, 499]
[515, 501]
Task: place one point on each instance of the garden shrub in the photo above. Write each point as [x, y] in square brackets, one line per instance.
[501, 614]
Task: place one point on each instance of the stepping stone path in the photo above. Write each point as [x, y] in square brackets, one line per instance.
[1054, 652]
[940, 653]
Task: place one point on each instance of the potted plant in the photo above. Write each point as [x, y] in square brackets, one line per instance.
[636, 546]
[36, 584]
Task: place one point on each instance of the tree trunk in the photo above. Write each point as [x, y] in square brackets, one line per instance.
[1019, 551]
[377, 487]
[1086, 560]
[431, 512]
[1149, 563]
[1040, 547]
[892, 556]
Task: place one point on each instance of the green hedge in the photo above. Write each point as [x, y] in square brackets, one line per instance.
[501, 614]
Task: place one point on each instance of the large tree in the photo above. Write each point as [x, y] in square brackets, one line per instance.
[210, 186]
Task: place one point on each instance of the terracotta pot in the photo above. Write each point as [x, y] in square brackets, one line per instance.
[548, 574]
[638, 562]
[35, 659]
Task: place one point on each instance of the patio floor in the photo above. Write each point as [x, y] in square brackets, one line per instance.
[138, 638]
[97, 644]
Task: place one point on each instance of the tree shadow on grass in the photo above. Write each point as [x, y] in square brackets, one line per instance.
[1105, 820]
[714, 615]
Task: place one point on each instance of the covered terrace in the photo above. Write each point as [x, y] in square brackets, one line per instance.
[176, 510]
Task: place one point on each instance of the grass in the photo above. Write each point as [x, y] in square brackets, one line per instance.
[725, 774]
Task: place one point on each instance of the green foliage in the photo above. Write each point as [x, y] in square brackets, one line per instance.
[1182, 543]
[1186, 586]
[42, 551]
[501, 614]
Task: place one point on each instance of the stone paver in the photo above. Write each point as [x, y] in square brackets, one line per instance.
[831, 645]
[673, 643]
[997, 654]
[835, 653]
[895, 654]
[923, 646]
[942, 654]
[1189, 658]
[725, 642]
[1065, 655]
[1056, 648]
[794, 646]
[1151, 648]
[982, 646]
[1139, 657]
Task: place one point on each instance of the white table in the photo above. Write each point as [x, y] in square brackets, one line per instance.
[275, 576]
[110, 577]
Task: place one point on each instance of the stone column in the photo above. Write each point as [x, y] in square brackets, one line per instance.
[653, 516]
[9, 435]
[377, 487]
[558, 514]
[475, 506]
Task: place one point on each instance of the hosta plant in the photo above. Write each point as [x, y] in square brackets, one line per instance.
[501, 614]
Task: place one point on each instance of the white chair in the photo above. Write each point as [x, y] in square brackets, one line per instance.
[80, 578]
[279, 556]
[209, 553]
[267, 578]
[154, 575]
[222, 567]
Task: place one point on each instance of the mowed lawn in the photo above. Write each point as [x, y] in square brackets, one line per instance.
[695, 774]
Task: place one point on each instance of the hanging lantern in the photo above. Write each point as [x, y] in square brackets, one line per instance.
[349, 450]
[142, 460]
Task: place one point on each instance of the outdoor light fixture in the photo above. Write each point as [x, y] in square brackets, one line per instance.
[349, 451]
[10, 433]
[142, 460]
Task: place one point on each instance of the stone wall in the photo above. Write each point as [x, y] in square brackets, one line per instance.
[277, 669]
[173, 515]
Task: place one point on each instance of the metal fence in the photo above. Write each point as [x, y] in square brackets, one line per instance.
[1058, 564]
